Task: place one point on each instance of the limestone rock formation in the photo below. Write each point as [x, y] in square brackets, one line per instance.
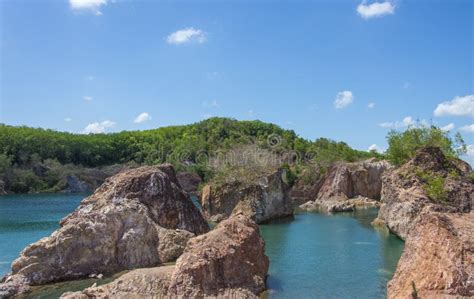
[345, 181]
[137, 218]
[262, 200]
[189, 181]
[307, 186]
[228, 262]
[438, 259]
[136, 284]
[406, 189]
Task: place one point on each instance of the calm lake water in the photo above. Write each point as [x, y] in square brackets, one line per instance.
[311, 256]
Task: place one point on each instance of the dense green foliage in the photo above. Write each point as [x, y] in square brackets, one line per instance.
[434, 186]
[403, 145]
[187, 147]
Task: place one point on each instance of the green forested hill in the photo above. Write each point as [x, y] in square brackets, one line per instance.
[23, 148]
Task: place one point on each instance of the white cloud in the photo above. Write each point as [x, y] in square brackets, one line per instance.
[468, 128]
[88, 5]
[87, 98]
[186, 35]
[448, 127]
[343, 99]
[143, 117]
[376, 9]
[96, 128]
[375, 147]
[371, 105]
[459, 106]
[406, 122]
[470, 150]
[68, 119]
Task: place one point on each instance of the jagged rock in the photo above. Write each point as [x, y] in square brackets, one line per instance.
[137, 218]
[345, 181]
[438, 259]
[261, 200]
[228, 262]
[139, 283]
[12, 285]
[306, 187]
[404, 193]
[75, 185]
[189, 181]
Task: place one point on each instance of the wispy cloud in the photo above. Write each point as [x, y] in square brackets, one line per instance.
[98, 127]
[448, 127]
[88, 5]
[343, 99]
[459, 106]
[376, 9]
[371, 105]
[87, 98]
[468, 128]
[143, 117]
[406, 122]
[68, 119]
[186, 35]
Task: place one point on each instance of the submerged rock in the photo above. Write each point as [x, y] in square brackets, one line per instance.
[228, 262]
[262, 200]
[405, 195]
[438, 259]
[345, 181]
[137, 218]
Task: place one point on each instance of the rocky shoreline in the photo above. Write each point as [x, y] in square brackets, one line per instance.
[142, 218]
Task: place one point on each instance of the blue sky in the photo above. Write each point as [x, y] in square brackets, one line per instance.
[347, 70]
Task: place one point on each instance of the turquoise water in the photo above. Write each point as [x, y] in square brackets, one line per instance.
[25, 219]
[330, 256]
[311, 256]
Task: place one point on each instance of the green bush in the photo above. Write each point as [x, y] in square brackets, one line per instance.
[434, 186]
[404, 145]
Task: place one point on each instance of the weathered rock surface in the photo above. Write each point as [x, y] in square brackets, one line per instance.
[261, 200]
[228, 262]
[404, 192]
[438, 259]
[139, 283]
[75, 185]
[345, 181]
[137, 218]
[189, 181]
[306, 187]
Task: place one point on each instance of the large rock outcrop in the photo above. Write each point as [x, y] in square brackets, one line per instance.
[429, 179]
[345, 181]
[228, 262]
[438, 259]
[137, 218]
[262, 200]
